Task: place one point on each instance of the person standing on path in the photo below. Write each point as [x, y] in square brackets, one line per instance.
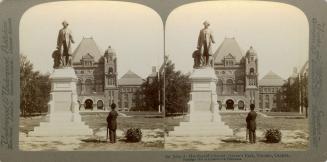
[251, 124]
[112, 123]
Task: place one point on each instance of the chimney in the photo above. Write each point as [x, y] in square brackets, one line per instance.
[154, 69]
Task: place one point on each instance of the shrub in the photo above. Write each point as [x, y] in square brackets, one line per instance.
[273, 135]
[134, 135]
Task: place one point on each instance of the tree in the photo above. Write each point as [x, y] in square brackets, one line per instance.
[292, 96]
[147, 97]
[178, 89]
[35, 89]
[280, 100]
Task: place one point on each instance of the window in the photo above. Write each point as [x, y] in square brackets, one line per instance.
[220, 87]
[79, 87]
[120, 100]
[88, 86]
[229, 87]
[240, 86]
[267, 101]
[252, 71]
[110, 70]
[260, 101]
[110, 81]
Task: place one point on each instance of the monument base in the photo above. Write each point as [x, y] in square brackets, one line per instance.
[63, 117]
[204, 116]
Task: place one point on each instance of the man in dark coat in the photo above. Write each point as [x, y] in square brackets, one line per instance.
[251, 124]
[112, 123]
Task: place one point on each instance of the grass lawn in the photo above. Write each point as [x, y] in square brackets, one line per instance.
[294, 129]
[237, 121]
[151, 126]
[294, 134]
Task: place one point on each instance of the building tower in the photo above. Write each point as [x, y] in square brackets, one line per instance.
[110, 72]
[251, 76]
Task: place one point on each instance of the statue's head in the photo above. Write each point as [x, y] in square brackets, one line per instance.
[206, 23]
[65, 23]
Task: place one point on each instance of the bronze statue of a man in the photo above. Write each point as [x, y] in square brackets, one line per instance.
[64, 41]
[205, 41]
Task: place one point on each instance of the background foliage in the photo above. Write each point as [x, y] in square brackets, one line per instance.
[35, 89]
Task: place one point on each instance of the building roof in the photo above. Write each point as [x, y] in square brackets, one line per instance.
[228, 46]
[130, 78]
[271, 79]
[86, 46]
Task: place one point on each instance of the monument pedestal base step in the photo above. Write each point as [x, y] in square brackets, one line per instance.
[64, 119]
[205, 121]
[62, 125]
[201, 129]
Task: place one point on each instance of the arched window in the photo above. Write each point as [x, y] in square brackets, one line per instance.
[252, 71]
[220, 87]
[240, 105]
[110, 70]
[100, 104]
[88, 104]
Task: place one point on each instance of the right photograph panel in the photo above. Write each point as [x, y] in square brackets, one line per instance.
[236, 77]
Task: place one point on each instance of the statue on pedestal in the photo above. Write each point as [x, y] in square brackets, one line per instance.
[204, 47]
[63, 54]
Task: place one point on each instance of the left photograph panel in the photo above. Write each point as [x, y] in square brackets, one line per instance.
[90, 77]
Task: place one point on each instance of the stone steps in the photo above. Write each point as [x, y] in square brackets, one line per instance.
[202, 124]
[61, 133]
[201, 132]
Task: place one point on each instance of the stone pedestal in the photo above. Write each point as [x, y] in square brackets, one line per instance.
[63, 116]
[204, 116]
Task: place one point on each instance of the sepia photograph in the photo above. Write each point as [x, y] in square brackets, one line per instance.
[241, 77]
[154, 80]
[89, 76]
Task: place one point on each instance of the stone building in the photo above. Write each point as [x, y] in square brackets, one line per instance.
[128, 84]
[98, 85]
[237, 73]
[269, 86]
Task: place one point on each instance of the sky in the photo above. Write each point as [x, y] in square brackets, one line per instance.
[134, 31]
[278, 32]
